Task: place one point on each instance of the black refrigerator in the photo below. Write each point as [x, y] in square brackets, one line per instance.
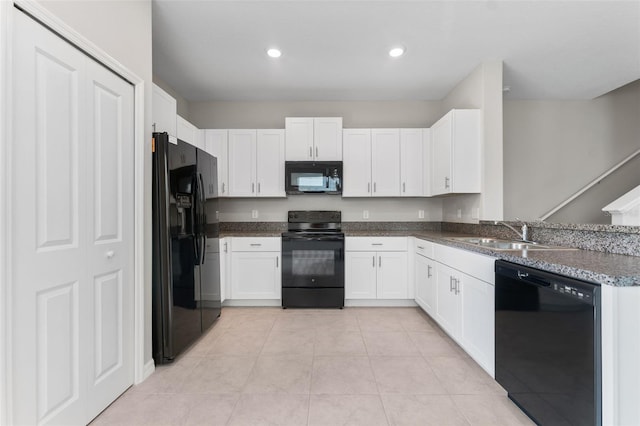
[186, 260]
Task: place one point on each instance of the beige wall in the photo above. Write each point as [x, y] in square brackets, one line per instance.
[553, 148]
[122, 29]
[182, 103]
[481, 89]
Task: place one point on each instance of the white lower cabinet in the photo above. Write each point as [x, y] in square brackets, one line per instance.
[425, 283]
[376, 268]
[255, 268]
[456, 288]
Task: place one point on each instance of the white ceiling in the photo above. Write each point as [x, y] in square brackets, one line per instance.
[338, 50]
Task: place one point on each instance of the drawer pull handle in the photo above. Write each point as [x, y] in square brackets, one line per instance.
[376, 244]
[421, 248]
[255, 244]
[428, 271]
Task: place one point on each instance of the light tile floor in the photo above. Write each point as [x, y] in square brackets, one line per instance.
[356, 366]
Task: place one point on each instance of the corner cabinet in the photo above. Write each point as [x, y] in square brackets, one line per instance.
[255, 268]
[456, 149]
[376, 268]
[313, 139]
[256, 163]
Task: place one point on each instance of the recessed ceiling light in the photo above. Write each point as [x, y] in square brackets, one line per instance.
[274, 53]
[396, 51]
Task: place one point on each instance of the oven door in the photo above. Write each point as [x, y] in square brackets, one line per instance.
[312, 261]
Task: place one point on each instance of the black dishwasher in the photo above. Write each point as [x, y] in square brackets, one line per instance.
[548, 355]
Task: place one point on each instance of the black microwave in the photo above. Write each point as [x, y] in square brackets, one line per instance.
[313, 177]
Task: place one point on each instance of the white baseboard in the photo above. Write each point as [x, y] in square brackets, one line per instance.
[380, 303]
[252, 302]
[149, 368]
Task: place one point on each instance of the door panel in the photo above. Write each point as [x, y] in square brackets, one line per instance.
[356, 151]
[57, 349]
[242, 163]
[108, 331]
[56, 149]
[107, 142]
[270, 163]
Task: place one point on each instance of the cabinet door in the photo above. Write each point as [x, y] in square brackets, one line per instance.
[164, 111]
[270, 163]
[385, 162]
[360, 275]
[242, 163]
[477, 323]
[448, 302]
[224, 291]
[255, 275]
[441, 156]
[425, 280]
[327, 138]
[426, 162]
[299, 138]
[215, 142]
[411, 165]
[356, 163]
[392, 280]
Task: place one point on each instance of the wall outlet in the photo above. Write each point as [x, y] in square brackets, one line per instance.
[254, 214]
[420, 214]
[459, 213]
[365, 214]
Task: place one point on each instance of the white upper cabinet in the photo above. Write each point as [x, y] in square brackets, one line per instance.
[164, 111]
[270, 163]
[189, 133]
[385, 162]
[242, 163]
[412, 148]
[455, 145]
[313, 139]
[215, 143]
[256, 163]
[356, 163]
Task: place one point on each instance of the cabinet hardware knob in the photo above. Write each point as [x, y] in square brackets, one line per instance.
[380, 261]
[110, 254]
[316, 152]
[428, 271]
[310, 152]
[253, 188]
[369, 188]
[404, 187]
[374, 261]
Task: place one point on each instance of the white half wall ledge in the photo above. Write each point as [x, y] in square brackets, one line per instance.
[626, 209]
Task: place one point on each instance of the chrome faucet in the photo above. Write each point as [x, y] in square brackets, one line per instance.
[523, 234]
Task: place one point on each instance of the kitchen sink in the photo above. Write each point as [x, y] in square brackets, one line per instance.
[497, 244]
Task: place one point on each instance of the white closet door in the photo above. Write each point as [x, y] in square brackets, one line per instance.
[110, 235]
[63, 298]
[50, 285]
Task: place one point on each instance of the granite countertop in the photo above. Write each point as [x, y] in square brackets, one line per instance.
[603, 268]
[596, 266]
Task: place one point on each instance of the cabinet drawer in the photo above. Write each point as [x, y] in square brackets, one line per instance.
[424, 248]
[376, 244]
[256, 244]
